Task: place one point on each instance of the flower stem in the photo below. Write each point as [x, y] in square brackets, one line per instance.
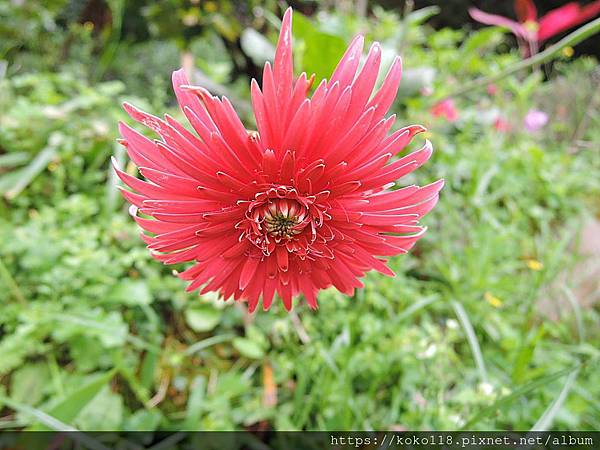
[570, 40]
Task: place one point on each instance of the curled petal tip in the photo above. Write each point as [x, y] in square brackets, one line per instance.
[286, 22]
[179, 76]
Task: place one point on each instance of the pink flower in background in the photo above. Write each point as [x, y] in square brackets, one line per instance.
[535, 120]
[492, 89]
[533, 31]
[301, 204]
[501, 125]
[445, 109]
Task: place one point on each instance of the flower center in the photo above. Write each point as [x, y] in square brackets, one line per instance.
[280, 216]
[283, 219]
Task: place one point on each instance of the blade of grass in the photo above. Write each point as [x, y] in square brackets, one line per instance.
[68, 409]
[49, 421]
[576, 310]
[413, 308]
[545, 422]
[195, 402]
[13, 159]
[472, 338]
[29, 172]
[52, 423]
[205, 343]
[518, 393]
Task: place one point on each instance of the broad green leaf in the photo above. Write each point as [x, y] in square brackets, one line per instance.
[257, 47]
[143, 420]
[108, 327]
[318, 52]
[202, 318]
[69, 408]
[103, 413]
[482, 38]
[248, 348]
[24, 341]
[131, 292]
[29, 383]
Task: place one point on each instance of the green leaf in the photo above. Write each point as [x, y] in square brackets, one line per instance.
[131, 292]
[202, 318]
[69, 408]
[13, 159]
[482, 38]
[318, 52]
[414, 79]
[103, 413]
[29, 383]
[109, 328]
[248, 348]
[257, 47]
[29, 172]
[525, 355]
[208, 342]
[24, 341]
[419, 16]
[195, 403]
[144, 420]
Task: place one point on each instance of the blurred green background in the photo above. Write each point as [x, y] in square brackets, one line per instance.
[492, 322]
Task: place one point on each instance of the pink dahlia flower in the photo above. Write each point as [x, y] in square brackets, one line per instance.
[301, 204]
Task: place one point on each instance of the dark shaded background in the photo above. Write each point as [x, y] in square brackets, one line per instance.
[454, 14]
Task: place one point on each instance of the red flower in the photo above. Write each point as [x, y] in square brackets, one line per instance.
[532, 31]
[502, 125]
[445, 109]
[302, 204]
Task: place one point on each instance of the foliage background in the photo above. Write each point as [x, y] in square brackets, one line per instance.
[492, 322]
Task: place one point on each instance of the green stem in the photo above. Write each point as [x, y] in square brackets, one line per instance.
[12, 284]
[572, 39]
